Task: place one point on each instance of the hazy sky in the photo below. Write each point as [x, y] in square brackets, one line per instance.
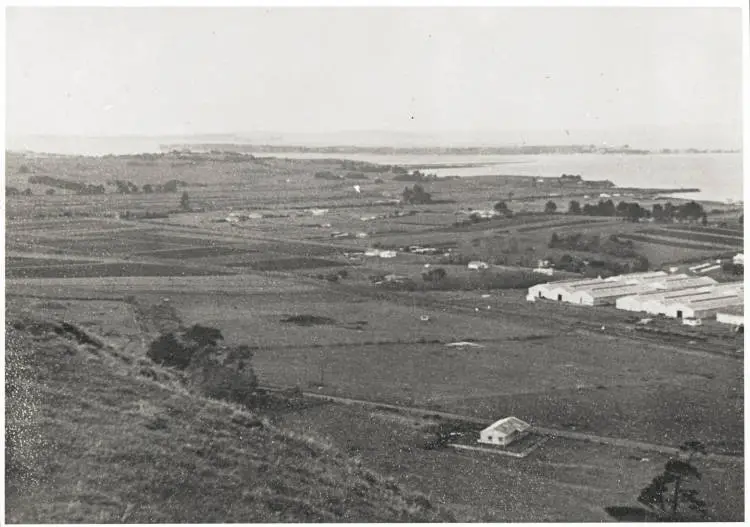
[108, 71]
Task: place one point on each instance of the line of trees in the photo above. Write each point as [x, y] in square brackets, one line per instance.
[633, 211]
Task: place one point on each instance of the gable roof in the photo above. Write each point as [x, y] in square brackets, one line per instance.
[508, 425]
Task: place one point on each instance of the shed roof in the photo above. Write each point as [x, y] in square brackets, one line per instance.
[508, 425]
[715, 303]
[623, 290]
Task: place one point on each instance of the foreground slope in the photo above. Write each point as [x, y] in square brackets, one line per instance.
[90, 440]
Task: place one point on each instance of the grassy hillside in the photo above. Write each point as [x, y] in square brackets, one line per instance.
[92, 439]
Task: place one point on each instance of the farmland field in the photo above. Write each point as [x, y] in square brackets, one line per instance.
[95, 270]
[715, 239]
[467, 344]
[676, 242]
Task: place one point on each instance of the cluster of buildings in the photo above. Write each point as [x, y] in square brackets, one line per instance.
[657, 293]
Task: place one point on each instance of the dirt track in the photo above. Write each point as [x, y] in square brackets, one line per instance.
[578, 436]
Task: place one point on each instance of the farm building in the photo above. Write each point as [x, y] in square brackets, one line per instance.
[610, 291]
[664, 306]
[738, 259]
[599, 296]
[477, 265]
[702, 307]
[598, 291]
[674, 289]
[734, 315]
[636, 276]
[504, 431]
[653, 302]
[548, 290]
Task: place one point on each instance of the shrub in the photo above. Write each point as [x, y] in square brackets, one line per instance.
[204, 335]
[434, 275]
[170, 350]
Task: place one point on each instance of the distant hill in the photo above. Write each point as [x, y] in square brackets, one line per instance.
[653, 138]
[91, 439]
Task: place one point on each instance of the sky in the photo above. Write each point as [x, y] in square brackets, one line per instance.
[155, 71]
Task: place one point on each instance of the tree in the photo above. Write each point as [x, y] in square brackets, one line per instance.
[550, 207]
[554, 241]
[170, 186]
[416, 195]
[185, 201]
[704, 219]
[50, 192]
[678, 472]
[28, 192]
[148, 188]
[657, 212]
[607, 208]
[574, 207]
[434, 275]
[501, 207]
[622, 208]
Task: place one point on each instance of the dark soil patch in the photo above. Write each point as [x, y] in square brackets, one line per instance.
[308, 320]
[198, 252]
[105, 270]
[287, 264]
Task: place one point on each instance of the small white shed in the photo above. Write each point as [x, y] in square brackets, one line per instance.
[504, 431]
[477, 265]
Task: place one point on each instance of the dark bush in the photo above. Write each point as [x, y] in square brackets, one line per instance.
[434, 275]
[169, 350]
[204, 335]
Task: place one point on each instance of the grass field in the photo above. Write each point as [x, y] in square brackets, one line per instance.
[540, 374]
[563, 481]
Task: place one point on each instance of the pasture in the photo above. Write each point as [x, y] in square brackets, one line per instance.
[562, 481]
[382, 351]
[258, 281]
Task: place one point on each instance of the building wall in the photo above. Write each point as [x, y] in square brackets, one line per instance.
[683, 310]
[729, 318]
[629, 303]
[493, 437]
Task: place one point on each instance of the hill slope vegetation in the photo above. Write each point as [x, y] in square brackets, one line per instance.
[90, 439]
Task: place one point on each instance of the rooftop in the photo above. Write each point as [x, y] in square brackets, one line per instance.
[735, 310]
[509, 425]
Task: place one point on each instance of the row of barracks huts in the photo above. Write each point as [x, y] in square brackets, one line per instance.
[656, 293]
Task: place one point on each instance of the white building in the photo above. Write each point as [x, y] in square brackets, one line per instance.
[675, 289]
[636, 276]
[504, 431]
[734, 315]
[739, 259]
[476, 265]
[599, 296]
[703, 307]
